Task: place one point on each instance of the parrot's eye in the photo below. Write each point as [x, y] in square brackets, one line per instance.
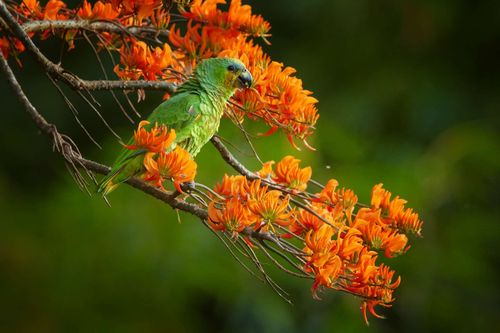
[230, 68]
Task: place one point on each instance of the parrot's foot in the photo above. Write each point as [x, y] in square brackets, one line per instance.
[188, 186]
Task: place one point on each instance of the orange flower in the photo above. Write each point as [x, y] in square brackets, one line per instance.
[269, 206]
[380, 196]
[394, 212]
[348, 200]
[320, 240]
[267, 170]
[408, 222]
[255, 191]
[289, 173]
[161, 18]
[339, 201]
[135, 60]
[52, 9]
[379, 237]
[104, 11]
[362, 269]
[139, 8]
[370, 306]
[323, 260]
[139, 60]
[230, 215]
[373, 283]
[31, 8]
[177, 166]
[327, 274]
[378, 291]
[328, 193]
[233, 186]
[305, 221]
[351, 244]
[395, 244]
[373, 233]
[155, 140]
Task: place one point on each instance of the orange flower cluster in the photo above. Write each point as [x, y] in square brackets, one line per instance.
[238, 17]
[288, 173]
[155, 139]
[177, 166]
[140, 60]
[231, 215]
[393, 211]
[323, 261]
[241, 203]
[160, 163]
[342, 239]
[344, 260]
[279, 98]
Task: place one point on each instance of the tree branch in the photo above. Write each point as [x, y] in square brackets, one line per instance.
[91, 25]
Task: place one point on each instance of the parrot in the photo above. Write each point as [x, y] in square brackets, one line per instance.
[194, 111]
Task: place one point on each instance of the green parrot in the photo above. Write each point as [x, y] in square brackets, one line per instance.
[193, 111]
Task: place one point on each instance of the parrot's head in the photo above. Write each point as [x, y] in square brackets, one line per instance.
[223, 74]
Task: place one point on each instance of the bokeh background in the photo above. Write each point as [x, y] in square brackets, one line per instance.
[409, 96]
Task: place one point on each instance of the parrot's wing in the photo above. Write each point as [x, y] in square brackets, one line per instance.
[178, 113]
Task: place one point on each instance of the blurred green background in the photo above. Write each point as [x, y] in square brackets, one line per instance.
[409, 96]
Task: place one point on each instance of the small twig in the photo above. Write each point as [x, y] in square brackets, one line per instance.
[103, 70]
[74, 111]
[232, 252]
[264, 247]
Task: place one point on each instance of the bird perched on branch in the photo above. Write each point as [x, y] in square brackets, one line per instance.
[193, 111]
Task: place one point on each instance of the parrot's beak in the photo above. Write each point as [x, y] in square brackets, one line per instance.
[245, 79]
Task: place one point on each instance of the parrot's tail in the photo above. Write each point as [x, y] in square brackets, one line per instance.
[108, 184]
[128, 165]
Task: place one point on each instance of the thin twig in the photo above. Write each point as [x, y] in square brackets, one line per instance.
[103, 69]
[232, 252]
[264, 247]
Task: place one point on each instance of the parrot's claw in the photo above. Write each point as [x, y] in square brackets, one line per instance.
[188, 186]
